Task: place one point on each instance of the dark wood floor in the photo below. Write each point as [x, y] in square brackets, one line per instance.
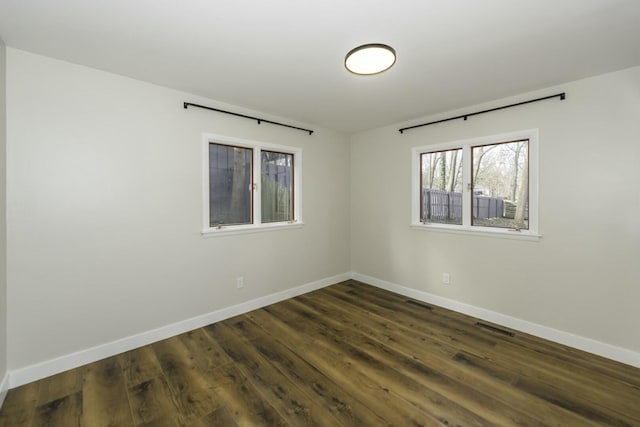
[350, 355]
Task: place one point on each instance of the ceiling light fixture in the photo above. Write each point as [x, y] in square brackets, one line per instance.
[373, 58]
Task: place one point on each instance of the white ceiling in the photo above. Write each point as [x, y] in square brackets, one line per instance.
[285, 57]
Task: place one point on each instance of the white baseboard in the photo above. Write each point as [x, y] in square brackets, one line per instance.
[4, 388]
[47, 368]
[609, 351]
[18, 377]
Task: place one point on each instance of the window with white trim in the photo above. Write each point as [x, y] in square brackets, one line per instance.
[249, 186]
[486, 185]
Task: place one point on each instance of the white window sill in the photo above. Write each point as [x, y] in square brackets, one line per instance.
[229, 230]
[501, 233]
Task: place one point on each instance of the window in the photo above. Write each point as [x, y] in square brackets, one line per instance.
[249, 186]
[486, 185]
[277, 189]
[441, 192]
[230, 185]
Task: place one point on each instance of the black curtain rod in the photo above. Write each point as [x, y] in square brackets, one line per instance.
[562, 96]
[259, 120]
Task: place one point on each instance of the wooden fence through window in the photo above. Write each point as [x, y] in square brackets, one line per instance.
[439, 205]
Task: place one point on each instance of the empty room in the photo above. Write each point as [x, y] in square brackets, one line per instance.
[287, 213]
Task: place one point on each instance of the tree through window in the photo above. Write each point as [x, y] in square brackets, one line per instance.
[483, 183]
[500, 183]
[441, 192]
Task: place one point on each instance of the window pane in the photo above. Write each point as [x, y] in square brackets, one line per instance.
[229, 185]
[441, 187]
[501, 185]
[277, 186]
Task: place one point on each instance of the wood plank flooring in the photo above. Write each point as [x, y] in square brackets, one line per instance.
[346, 355]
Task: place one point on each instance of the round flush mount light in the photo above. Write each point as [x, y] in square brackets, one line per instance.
[370, 59]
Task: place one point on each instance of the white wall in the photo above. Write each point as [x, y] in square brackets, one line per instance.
[104, 210]
[583, 276]
[3, 222]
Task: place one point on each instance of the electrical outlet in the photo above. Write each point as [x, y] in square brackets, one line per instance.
[446, 278]
[239, 282]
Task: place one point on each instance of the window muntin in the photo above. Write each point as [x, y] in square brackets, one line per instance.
[488, 185]
[277, 186]
[240, 176]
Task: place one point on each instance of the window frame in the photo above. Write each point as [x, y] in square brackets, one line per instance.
[533, 233]
[257, 148]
